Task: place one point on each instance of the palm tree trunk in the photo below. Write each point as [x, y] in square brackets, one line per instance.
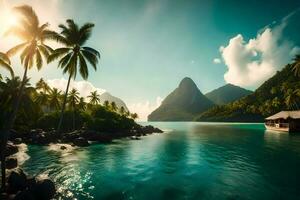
[73, 118]
[8, 126]
[63, 106]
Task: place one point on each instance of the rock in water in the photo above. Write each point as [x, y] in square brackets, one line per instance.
[17, 181]
[44, 189]
[81, 142]
[183, 104]
[11, 163]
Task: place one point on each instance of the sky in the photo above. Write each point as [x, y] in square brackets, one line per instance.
[148, 46]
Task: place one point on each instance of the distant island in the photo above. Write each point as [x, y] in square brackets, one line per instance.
[231, 103]
[187, 101]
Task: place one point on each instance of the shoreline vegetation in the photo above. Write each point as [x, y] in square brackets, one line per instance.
[43, 115]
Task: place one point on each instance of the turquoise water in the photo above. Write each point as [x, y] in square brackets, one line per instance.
[189, 161]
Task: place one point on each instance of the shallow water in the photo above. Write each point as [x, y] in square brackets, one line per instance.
[190, 161]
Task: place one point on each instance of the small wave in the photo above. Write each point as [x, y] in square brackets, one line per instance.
[22, 155]
[62, 148]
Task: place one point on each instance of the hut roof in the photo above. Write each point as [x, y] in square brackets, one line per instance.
[285, 115]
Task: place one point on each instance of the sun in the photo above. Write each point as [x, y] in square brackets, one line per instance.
[12, 19]
[7, 19]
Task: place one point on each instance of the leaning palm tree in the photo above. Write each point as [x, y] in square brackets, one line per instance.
[94, 98]
[296, 65]
[5, 63]
[32, 50]
[74, 55]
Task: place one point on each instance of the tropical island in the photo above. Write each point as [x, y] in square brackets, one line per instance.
[43, 115]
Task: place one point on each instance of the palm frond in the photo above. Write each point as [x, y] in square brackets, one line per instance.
[83, 68]
[16, 49]
[85, 33]
[65, 60]
[28, 13]
[7, 67]
[52, 35]
[58, 53]
[92, 58]
[94, 51]
[38, 60]
[18, 32]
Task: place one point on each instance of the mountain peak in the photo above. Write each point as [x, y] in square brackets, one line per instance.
[182, 104]
[187, 82]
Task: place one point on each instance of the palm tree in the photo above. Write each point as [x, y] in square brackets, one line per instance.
[113, 106]
[106, 104]
[122, 110]
[42, 99]
[42, 85]
[134, 116]
[291, 99]
[33, 36]
[81, 104]
[296, 65]
[74, 54]
[73, 99]
[54, 99]
[94, 98]
[5, 63]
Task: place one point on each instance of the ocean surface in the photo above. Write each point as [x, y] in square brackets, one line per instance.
[190, 160]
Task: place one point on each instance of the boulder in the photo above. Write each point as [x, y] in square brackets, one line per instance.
[11, 149]
[18, 141]
[11, 163]
[17, 181]
[44, 189]
[25, 195]
[63, 148]
[81, 142]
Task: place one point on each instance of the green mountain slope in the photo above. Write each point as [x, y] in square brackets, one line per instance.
[227, 93]
[269, 98]
[182, 104]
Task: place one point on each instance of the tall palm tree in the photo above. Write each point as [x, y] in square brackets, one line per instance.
[54, 99]
[5, 63]
[32, 49]
[94, 98]
[42, 85]
[73, 99]
[74, 55]
[296, 65]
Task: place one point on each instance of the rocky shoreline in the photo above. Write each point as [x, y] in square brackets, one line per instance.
[20, 186]
[79, 138]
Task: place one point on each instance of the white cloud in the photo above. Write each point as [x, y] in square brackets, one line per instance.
[217, 60]
[143, 109]
[252, 62]
[84, 87]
